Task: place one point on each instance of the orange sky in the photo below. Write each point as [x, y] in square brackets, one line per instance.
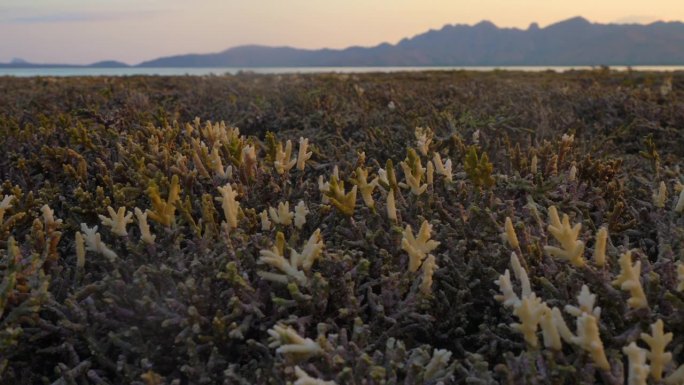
[85, 31]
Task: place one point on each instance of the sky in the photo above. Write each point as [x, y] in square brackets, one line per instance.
[86, 31]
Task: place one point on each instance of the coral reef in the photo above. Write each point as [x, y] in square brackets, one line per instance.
[446, 227]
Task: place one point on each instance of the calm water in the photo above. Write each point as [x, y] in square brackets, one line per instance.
[24, 72]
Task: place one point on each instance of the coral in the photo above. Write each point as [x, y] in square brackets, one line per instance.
[413, 173]
[93, 241]
[360, 179]
[229, 204]
[303, 156]
[588, 338]
[529, 312]
[423, 139]
[600, 247]
[282, 215]
[443, 169]
[344, 202]
[571, 248]
[145, 233]
[117, 220]
[5, 203]
[282, 162]
[418, 247]
[287, 341]
[300, 214]
[429, 267]
[638, 370]
[478, 169]
[657, 341]
[509, 234]
[163, 212]
[679, 206]
[391, 206]
[304, 379]
[265, 222]
[629, 280]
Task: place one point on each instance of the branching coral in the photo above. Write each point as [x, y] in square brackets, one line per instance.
[287, 341]
[282, 161]
[117, 220]
[413, 173]
[276, 257]
[230, 205]
[94, 242]
[145, 233]
[437, 367]
[366, 188]
[588, 338]
[80, 249]
[391, 206]
[5, 203]
[344, 202]
[282, 215]
[304, 379]
[443, 169]
[571, 249]
[679, 207]
[163, 212]
[629, 280]
[303, 156]
[312, 250]
[509, 234]
[429, 267]
[418, 248]
[657, 341]
[300, 213]
[660, 196]
[529, 312]
[638, 370]
[423, 139]
[600, 247]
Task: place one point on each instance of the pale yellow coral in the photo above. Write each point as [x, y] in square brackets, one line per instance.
[600, 248]
[365, 188]
[680, 276]
[529, 312]
[418, 248]
[265, 222]
[588, 338]
[586, 301]
[301, 212]
[507, 297]
[629, 280]
[638, 370]
[276, 257]
[310, 253]
[304, 379]
[303, 156]
[438, 364]
[679, 207]
[282, 215]
[443, 169]
[94, 242]
[287, 341]
[391, 206]
[117, 220]
[282, 162]
[571, 249]
[145, 233]
[423, 139]
[5, 204]
[550, 333]
[657, 356]
[229, 204]
[509, 234]
[429, 267]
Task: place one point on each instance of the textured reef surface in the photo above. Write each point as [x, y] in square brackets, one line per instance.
[408, 228]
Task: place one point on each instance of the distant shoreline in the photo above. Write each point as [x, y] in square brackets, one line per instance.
[206, 71]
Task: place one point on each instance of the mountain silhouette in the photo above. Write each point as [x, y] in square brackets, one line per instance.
[572, 42]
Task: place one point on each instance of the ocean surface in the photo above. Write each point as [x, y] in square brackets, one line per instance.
[56, 71]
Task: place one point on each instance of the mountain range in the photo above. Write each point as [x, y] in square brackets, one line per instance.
[571, 42]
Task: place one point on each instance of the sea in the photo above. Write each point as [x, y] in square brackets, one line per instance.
[220, 71]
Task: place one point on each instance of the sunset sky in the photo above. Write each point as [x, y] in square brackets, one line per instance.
[85, 31]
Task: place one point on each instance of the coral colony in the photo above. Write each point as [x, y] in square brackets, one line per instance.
[460, 237]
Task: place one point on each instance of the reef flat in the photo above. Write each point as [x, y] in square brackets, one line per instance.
[406, 228]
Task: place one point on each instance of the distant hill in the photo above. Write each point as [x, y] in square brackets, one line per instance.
[574, 41]
[571, 42]
[20, 63]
